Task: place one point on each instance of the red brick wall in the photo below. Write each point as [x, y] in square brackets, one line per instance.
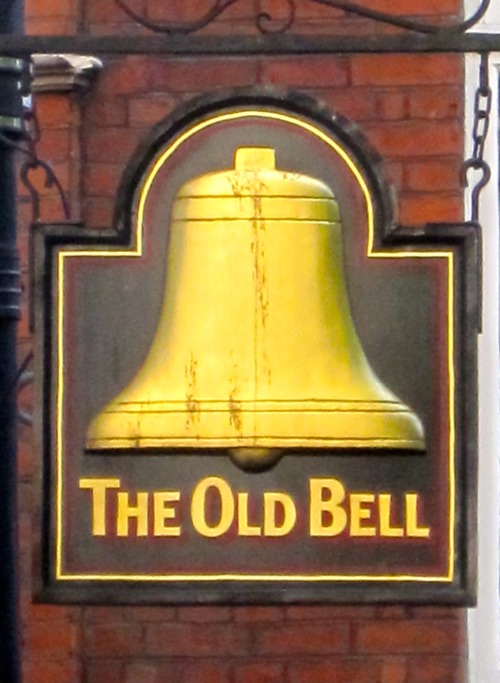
[411, 108]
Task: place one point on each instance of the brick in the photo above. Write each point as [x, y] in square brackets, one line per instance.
[338, 670]
[101, 179]
[25, 497]
[54, 111]
[438, 102]
[302, 638]
[25, 458]
[129, 75]
[437, 612]
[109, 12]
[414, 7]
[394, 670]
[23, 333]
[137, 75]
[54, 146]
[171, 670]
[258, 613]
[392, 612]
[204, 672]
[24, 529]
[190, 75]
[394, 173]
[103, 614]
[310, 72]
[437, 670]
[195, 640]
[145, 111]
[105, 111]
[406, 70]
[423, 208]
[433, 175]
[98, 213]
[191, 10]
[50, 613]
[393, 106]
[308, 10]
[356, 104]
[204, 614]
[415, 138]
[24, 217]
[265, 672]
[395, 636]
[37, 669]
[122, 26]
[141, 672]
[107, 671]
[150, 614]
[51, 209]
[56, 638]
[113, 640]
[60, 25]
[51, 8]
[111, 143]
[329, 612]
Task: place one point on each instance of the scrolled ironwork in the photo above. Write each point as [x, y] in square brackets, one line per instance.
[265, 23]
[404, 22]
[179, 28]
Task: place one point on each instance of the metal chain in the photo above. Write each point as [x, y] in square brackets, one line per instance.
[27, 145]
[30, 138]
[33, 163]
[482, 111]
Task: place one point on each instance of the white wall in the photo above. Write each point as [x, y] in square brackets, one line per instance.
[484, 621]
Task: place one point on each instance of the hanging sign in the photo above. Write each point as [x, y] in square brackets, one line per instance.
[255, 386]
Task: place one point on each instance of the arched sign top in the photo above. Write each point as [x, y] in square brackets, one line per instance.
[296, 110]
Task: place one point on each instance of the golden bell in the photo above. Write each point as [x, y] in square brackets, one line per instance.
[255, 350]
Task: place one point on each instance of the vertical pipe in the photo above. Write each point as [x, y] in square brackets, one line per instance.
[10, 112]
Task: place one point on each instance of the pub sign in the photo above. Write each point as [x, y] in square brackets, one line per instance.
[256, 386]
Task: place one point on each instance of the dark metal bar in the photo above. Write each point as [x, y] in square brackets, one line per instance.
[183, 46]
[10, 110]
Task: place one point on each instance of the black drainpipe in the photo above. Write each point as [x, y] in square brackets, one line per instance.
[11, 70]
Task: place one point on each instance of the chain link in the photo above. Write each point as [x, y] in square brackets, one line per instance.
[482, 111]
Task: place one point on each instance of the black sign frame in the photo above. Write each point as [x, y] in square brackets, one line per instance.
[461, 239]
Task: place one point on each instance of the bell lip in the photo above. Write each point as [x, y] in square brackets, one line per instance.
[386, 425]
[287, 446]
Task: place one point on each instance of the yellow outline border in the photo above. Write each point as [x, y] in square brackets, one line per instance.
[136, 251]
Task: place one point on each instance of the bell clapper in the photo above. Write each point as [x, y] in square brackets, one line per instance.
[255, 459]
